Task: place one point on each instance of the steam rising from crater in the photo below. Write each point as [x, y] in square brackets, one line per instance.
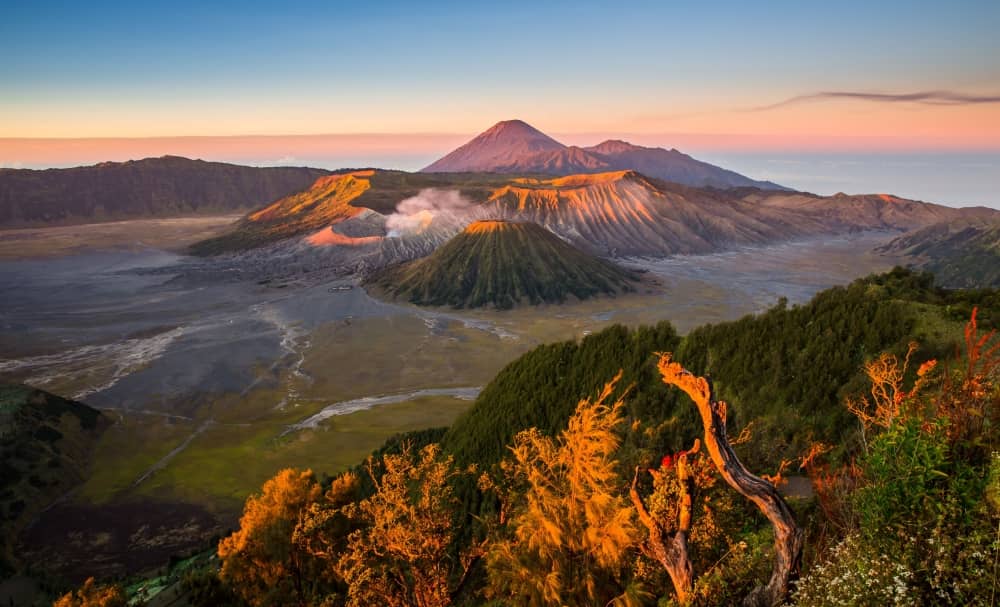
[415, 214]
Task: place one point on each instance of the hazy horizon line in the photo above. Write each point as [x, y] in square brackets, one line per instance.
[409, 149]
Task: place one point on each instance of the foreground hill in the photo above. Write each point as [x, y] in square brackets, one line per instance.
[786, 368]
[502, 264]
[45, 442]
[961, 254]
[513, 146]
[155, 187]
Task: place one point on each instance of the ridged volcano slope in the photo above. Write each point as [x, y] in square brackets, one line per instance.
[625, 213]
[334, 199]
[620, 213]
[502, 264]
[961, 254]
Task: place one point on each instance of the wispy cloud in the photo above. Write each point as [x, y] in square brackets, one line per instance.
[923, 97]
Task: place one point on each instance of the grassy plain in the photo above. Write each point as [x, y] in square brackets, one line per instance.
[242, 439]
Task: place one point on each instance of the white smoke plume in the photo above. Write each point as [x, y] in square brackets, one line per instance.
[440, 207]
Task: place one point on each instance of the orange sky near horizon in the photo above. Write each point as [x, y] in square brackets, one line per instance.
[812, 126]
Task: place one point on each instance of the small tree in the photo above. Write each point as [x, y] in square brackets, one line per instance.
[888, 402]
[569, 529]
[403, 554]
[259, 560]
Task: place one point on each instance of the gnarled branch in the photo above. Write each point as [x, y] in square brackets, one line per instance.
[788, 536]
[672, 553]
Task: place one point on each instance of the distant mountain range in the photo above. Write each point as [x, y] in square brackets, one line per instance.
[155, 187]
[611, 214]
[502, 264]
[961, 254]
[613, 199]
[514, 146]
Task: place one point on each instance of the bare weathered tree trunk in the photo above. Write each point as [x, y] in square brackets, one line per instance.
[672, 553]
[788, 537]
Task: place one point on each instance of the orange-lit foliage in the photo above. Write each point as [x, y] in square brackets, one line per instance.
[778, 478]
[259, 560]
[569, 529]
[92, 595]
[833, 487]
[323, 528]
[402, 554]
[885, 405]
[966, 397]
[969, 396]
[917, 500]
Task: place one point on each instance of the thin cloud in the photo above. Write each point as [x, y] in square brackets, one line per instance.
[923, 97]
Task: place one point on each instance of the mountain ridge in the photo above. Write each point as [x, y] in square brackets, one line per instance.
[167, 186]
[514, 146]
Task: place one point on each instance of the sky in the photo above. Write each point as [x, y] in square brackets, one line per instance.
[399, 83]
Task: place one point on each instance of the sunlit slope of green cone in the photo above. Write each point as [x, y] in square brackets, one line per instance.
[503, 264]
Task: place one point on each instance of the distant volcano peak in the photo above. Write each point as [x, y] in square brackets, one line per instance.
[504, 144]
[517, 128]
[514, 146]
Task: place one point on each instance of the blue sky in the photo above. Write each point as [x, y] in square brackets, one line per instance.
[677, 74]
[453, 66]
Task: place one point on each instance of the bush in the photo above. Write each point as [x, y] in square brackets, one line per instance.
[855, 574]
